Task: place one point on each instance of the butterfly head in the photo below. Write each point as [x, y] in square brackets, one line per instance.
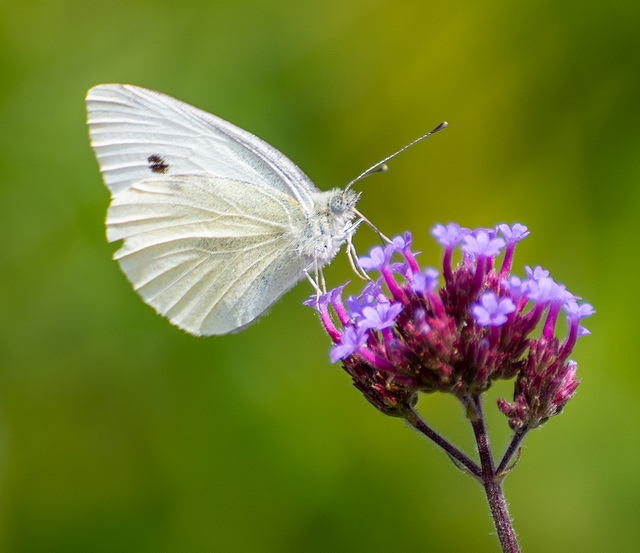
[343, 201]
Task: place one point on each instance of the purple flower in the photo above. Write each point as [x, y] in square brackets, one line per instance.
[481, 244]
[403, 269]
[380, 316]
[514, 285]
[537, 273]
[404, 334]
[492, 232]
[557, 296]
[513, 233]
[373, 289]
[541, 290]
[426, 281]
[316, 301]
[352, 338]
[491, 311]
[332, 296]
[321, 304]
[376, 259]
[400, 243]
[370, 296]
[355, 305]
[403, 242]
[449, 235]
[577, 312]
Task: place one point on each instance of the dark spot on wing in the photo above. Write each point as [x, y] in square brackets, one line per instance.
[157, 164]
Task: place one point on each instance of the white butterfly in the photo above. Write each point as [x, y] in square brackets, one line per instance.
[217, 224]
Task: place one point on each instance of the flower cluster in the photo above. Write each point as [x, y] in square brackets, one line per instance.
[403, 334]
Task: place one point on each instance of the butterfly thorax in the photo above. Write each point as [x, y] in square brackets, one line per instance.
[330, 224]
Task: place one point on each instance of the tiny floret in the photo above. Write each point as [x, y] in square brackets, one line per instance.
[513, 233]
[425, 281]
[352, 338]
[376, 259]
[482, 244]
[400, 243]
[514, 285]
[490, 311]
[356, 305]
[541, 290]
[578, 312]
[449, 235]
[537, 273]
[575, 314]
[381, 316]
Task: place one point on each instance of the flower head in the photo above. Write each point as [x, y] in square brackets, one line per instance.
[404, 333]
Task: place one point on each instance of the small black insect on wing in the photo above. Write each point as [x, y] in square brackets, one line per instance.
[157, 164]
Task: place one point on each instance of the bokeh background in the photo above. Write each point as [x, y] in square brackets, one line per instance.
[118, 432]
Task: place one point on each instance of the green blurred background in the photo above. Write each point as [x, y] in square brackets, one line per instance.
[118, 432]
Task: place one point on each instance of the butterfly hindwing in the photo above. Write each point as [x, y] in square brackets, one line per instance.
[211, 254]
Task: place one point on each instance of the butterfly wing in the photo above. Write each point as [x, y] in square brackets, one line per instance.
[211, 254]
[137, 133]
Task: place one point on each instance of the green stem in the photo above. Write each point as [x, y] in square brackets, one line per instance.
[492, 488]
[414, 420]
[501, 519]
[518, 436]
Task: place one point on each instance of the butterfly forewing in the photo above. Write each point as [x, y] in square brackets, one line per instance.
[137, 133]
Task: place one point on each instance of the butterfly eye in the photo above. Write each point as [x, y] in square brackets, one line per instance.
[337, 203]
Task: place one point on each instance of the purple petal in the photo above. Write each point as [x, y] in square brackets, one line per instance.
[513, 233]
[376, 259]
[449, 235]
[537, 273]
[482, 244]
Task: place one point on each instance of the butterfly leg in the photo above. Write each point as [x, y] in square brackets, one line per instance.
[352, 256]
[373, 227]
[320, 277]
[317, 280]
[314, 282]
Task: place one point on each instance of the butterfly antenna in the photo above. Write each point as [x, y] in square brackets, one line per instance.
[381, 166]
